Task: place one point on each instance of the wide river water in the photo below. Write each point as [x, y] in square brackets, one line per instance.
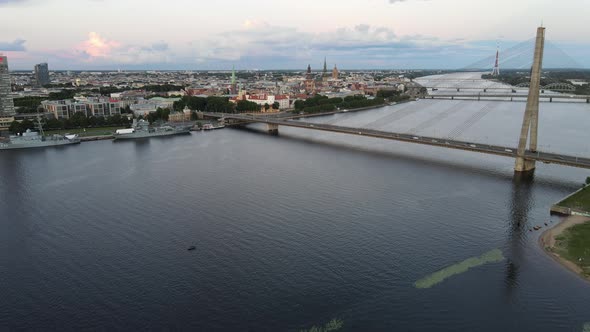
[292, 231]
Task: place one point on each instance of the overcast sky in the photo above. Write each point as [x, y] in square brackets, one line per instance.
[275, 34]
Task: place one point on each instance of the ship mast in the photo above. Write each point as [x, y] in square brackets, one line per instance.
[39, 124]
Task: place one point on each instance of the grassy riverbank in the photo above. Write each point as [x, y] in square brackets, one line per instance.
[569, 244]
[578, 201]
[104, 131]
[573, 244]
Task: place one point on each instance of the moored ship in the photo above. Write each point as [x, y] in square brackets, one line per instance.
[142, 129]
[32, 139]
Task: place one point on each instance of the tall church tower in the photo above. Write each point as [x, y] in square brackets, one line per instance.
[325, 71]
[335, 73]
[234, 88]
[309, 82]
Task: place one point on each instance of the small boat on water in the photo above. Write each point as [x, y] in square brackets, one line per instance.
[191, 248]
[210, 126]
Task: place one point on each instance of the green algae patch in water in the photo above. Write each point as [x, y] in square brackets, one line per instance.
[586, 327]
[493, 256]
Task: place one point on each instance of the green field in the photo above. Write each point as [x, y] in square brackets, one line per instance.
[579, 201]
[84, 132]
[574, 245]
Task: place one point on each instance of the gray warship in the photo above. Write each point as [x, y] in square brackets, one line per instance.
[32, 139]
[142, 129]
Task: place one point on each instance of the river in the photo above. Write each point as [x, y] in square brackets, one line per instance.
[291, 231]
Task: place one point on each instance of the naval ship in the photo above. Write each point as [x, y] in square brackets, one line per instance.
[142, 129]
[32, 139]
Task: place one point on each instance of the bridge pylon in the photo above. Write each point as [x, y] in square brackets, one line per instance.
[272, 128]
[530, 122]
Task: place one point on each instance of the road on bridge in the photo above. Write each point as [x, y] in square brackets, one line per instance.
[504, 151]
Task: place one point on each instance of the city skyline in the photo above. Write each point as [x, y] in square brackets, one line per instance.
[180, 34]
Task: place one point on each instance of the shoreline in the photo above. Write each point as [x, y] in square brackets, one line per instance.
[547, 242]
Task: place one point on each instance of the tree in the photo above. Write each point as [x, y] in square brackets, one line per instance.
[276, 105]
[64, 94]
[79, 120]
[27, 124]
[299, 104]
[266, 106]
[54, 124]
[247, 106]
[15, 127]
[388, 93]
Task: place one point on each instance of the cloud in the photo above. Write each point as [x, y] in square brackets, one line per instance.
[17, 45]
[14, 3]
[262, 40]
[97, 46]
[102, 51]
[398, 1]
[158, 46]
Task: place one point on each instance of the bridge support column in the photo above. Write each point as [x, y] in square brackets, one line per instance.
[588, 101]
[530, 122]
[272, 128]
[551, 99]
[458, 90]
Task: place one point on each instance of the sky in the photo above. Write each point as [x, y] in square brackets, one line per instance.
[278, 34]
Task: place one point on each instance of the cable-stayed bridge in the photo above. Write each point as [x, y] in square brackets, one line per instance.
[526, 152]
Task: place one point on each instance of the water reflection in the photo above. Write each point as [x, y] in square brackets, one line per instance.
[521, 203]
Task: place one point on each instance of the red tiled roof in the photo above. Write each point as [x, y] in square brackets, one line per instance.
[258, 97]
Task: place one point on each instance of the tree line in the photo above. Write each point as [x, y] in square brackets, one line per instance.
[77, 120]
[215, 104]
[319, 103]
[394, 96]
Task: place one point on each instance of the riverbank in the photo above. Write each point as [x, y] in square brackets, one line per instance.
[555, 244]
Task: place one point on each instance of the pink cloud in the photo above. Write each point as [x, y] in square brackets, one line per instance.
[97, 46]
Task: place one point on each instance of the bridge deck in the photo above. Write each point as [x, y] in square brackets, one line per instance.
[505, 95]
[505, 151]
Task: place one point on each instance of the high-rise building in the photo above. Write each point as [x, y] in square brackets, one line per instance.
[6, 102]
[42, 74]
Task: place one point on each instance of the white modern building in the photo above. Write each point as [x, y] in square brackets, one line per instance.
[97, 107]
